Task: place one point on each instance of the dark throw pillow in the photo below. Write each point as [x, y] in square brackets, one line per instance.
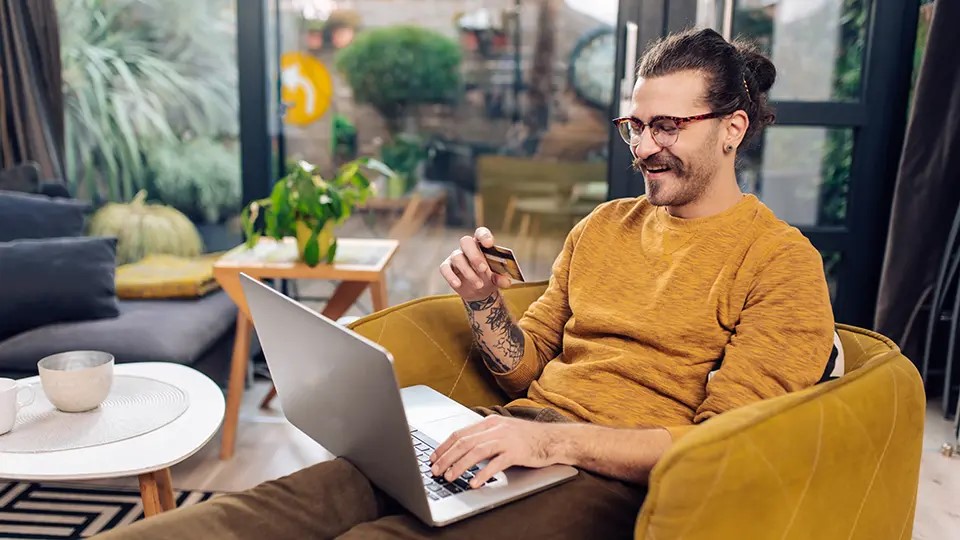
[24, 177]
[56, 280]
[24, 216]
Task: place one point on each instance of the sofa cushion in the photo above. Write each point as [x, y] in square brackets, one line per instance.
[24, 177]
[177, 331]
[56, 280]
[38, 216]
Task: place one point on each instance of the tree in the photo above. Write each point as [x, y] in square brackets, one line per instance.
[398, 67]
[539, 96]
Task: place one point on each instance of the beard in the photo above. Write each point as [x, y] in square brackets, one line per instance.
[683, 183]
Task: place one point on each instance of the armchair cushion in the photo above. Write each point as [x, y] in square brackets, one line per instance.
[432, 344]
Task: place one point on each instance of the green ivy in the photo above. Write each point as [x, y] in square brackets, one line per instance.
[838, 156]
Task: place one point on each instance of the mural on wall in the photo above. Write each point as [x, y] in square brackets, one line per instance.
[306, 88]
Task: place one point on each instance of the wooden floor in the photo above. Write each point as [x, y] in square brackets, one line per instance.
[269, 447]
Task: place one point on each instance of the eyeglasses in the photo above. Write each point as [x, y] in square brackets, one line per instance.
[664, 129]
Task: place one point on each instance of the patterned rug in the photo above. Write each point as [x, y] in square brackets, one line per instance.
[47, 511]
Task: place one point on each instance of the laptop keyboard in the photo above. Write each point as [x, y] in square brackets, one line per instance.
[437, 487]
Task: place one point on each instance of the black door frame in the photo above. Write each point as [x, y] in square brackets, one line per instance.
[256, 153]
[878, 120]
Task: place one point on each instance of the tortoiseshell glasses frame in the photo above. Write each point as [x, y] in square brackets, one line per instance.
[664, 129]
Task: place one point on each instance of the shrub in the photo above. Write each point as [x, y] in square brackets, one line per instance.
[397, 67]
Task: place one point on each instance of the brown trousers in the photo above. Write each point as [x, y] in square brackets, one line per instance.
[335, 500]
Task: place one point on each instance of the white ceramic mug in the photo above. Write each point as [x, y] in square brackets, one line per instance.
[10, 402]
[76, 381]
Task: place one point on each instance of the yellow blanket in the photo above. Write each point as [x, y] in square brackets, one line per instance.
[167, 276]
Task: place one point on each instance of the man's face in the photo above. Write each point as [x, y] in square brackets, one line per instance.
[693, 160]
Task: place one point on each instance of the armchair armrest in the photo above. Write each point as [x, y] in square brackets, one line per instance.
[839, 460]
[432, 344]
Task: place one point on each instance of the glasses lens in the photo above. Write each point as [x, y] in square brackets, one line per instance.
[665, 132]
[629, 131]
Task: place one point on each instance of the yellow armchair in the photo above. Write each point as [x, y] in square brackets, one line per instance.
[839, 460]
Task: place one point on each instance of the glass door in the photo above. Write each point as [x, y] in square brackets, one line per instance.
[829, 163]
[490, 112]
[151, 109]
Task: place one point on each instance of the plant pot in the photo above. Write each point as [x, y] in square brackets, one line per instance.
[325, 241]
[397, 185]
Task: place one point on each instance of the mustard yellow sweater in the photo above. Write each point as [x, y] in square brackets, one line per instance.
[641, 306]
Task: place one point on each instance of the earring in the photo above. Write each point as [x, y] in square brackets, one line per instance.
[729, 147]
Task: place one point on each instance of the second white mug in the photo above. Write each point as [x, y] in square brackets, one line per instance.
[11, 402]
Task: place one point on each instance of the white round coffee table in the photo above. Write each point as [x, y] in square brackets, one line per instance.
[148, 456]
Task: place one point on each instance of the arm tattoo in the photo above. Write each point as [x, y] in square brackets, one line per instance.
[500, 340]
[485, 304]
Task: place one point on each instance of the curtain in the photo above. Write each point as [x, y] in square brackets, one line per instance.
[31, 96]
[927, 190]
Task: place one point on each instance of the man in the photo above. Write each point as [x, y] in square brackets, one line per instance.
[619, 356]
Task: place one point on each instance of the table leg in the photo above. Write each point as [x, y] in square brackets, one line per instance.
[378, 292]
[150, 495]
[345, 295]
[523, 236]
[478, 216]
[238, 369]
[267, 399]
[508, 215]
[165, 489]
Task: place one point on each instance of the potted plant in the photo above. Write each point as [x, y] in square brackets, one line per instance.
[308, 207]
[403, 155]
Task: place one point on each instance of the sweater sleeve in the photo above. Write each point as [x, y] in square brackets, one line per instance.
[784, 335]
[543, 323]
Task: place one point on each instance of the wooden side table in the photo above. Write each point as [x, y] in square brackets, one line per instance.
[359, 264]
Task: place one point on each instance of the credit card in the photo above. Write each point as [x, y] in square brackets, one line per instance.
[502, 261]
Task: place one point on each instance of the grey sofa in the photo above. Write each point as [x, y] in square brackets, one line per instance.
[194, 332]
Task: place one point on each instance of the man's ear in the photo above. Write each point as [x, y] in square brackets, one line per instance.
[737, 124]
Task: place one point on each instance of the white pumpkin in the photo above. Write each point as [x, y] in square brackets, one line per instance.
[143, 229]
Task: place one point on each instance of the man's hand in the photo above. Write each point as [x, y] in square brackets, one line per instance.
[467, 271]
[504, 441]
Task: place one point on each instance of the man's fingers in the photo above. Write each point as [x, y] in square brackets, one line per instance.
[497, 464]
[471, 251]
[446, 270]
[453, 439]
[466, 271]
[477, 454]
[503, 282]
[484, 236]
[451, 455]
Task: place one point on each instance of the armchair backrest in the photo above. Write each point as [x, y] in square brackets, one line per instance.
[839, 460]
[432, 344]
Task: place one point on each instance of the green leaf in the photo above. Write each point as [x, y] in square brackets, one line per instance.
[347, 172]
[377, 165]
[332, 252]
[311, 252]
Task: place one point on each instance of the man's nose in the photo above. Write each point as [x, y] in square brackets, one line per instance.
[646, 146]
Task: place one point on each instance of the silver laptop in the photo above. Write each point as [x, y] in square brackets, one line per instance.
[340, 390]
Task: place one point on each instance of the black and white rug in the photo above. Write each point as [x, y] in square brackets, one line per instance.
[30, 510]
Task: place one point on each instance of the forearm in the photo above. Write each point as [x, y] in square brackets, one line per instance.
[624, 454]
[500, 340]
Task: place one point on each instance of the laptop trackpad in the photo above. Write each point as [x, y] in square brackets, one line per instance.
[434, 414]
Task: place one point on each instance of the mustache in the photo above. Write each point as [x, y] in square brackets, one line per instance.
[657, 161]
